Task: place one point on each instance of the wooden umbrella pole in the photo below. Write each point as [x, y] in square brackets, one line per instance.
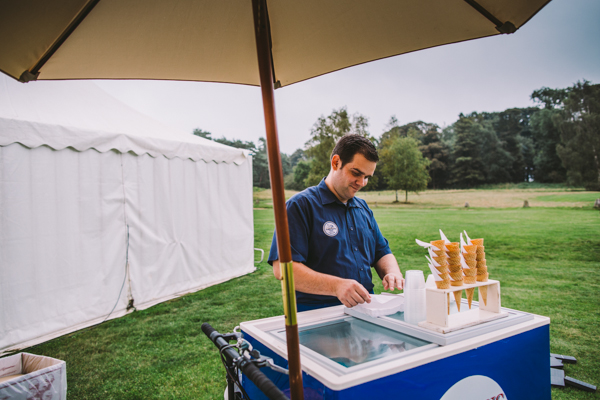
[263, 49]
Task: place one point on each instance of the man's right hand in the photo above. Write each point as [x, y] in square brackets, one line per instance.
[351, 293]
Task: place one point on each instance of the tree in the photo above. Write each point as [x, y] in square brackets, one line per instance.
[468, 168]
[548, 166]
[580, 135]
[437, 152]
[201, 133]
[324, 135]
[404, 166]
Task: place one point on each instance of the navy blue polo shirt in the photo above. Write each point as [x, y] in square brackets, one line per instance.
[332, 238]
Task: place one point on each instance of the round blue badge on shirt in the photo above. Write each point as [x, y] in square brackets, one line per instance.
[330, 228]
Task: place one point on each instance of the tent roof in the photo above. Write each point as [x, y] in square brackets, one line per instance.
[80, 115]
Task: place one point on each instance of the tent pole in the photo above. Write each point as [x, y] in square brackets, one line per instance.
[263, 49]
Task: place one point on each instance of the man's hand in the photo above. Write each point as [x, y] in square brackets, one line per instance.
[351, 293]
[393, 280]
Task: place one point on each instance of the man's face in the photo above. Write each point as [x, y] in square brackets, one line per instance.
[352, 177]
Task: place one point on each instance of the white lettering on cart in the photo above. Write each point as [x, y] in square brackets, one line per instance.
[476, 387]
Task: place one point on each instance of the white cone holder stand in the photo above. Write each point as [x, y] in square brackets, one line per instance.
[437, 308]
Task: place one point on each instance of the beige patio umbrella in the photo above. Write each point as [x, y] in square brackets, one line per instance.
[219, 41]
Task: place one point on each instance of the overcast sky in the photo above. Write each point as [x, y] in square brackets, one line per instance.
[558, 47]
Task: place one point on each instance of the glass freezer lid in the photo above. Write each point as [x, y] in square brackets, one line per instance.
[347, 344]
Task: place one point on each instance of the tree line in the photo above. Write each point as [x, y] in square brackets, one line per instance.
[558, 141]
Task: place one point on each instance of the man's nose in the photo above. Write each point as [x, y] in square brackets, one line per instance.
[362, 181]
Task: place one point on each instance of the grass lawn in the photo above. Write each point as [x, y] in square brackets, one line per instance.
[548, 260]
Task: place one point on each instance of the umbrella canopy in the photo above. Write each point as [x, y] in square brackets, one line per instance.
[221, 41]
[213, 41]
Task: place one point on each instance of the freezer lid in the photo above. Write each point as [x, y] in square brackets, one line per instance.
[347, 344]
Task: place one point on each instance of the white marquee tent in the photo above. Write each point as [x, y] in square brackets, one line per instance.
[102, 207]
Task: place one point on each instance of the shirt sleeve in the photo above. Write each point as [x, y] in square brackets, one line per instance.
[298, 222]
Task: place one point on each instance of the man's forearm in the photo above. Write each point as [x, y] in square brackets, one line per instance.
[309, 281]
[387, 265]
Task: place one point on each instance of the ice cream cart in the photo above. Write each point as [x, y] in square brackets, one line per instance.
[351, 355]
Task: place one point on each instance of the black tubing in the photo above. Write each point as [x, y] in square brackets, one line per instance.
[261, 381]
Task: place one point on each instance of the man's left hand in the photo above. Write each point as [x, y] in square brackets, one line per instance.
[392, 280]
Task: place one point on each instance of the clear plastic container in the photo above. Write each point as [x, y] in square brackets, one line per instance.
[415, 306]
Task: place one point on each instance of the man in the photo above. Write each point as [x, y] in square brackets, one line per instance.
[334, 236]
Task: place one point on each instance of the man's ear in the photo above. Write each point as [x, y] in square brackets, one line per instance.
[336, 162]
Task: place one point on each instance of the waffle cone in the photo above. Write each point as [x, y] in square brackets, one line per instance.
[483, 294]
[441, 260]
[440, 244]
[471, 263]
[470, 280]
[470, 293]
[477, 242]
[442, 284]
[457, 276]
[483, 277]
[445, 277]
[443, 269]
[454, 246]
[453, 254]
[448, 294]
[470, 248]
[470, 272]
[454, 260]
[457, 283]
[439, 253]
[458, 297]
[480, 256]
[482, 271]
[480, 250]
[454, 268]
[470, 256]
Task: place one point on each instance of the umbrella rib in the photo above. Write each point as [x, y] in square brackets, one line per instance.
[276, 83]
[502, 27]
[32, 73]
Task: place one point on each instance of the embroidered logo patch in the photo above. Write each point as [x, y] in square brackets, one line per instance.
[330, 228]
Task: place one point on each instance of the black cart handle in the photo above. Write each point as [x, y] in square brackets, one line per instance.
[261, 381]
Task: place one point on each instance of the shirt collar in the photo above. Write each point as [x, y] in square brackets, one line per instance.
[327, 196]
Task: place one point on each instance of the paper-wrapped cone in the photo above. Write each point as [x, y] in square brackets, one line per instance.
[480, 250]
[470, 280]
[483, 294]
[470, 256]
[442, 284]
[453, 254]
[440, 244]
[480, 256]
[470, 293]
[482, 271]
[471, 249]
[448, 294]
[454, 260]
[477, 242]
[441, 260]
[483, 277]
[471, 263]
[457, 297]
[456, 276]
[470, 272]
[454, 268]
[443, 269]
[454, 246]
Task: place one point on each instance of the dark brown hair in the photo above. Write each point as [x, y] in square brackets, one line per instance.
[349, 145]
